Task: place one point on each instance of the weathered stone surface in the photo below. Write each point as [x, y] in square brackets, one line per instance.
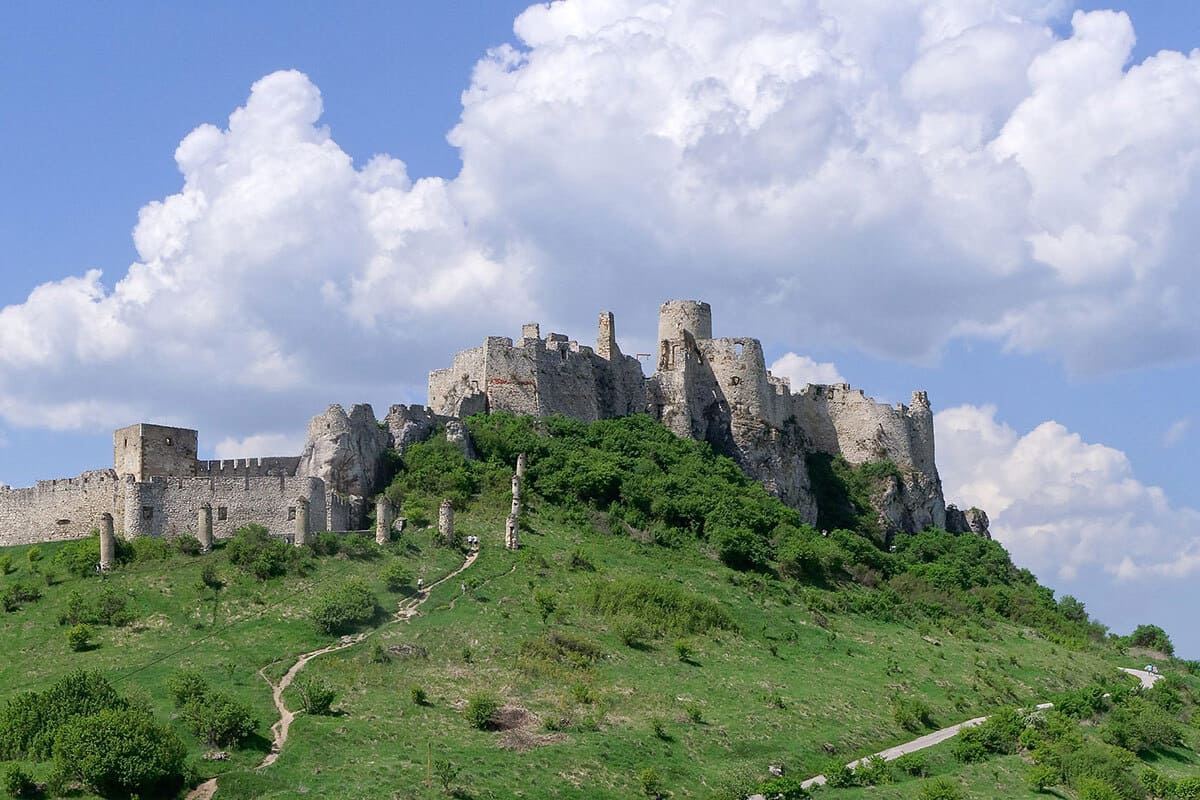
[345, 450]
[457, 434]
[977, 521]
[408, 425]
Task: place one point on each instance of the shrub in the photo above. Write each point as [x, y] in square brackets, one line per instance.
[914, 764]
[1141, 727]
[546, 602]
[19, 783]
[968, 746]
[650, 782]
[6, 564]
[683, 650]
[631, 632]
[840, 776]
[999, 734]
[783, 788]
[257, 552]
[150, 548]
[18, 594]
[941, 788]
[578, 562]
[659, 728]
[210, 578]
[107, 608]
[556, 647]
[481, 710]
[396, 576]
[218, 719]
[79, 637]
[344, 607]
[1185, 789]
[446, 772]
[185, 685]
[33, 554]
[187, 544]
[419, 698]
[875, 771]
[1093, 789]
[1041, 777]
[120, 752]
[378, 655]
[694, 713]
[317, 696]
[911, 713]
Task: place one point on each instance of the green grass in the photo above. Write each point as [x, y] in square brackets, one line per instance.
[774, 687]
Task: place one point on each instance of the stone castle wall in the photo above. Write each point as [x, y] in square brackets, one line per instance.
[256, 467]
[56, 510]
[168, 507]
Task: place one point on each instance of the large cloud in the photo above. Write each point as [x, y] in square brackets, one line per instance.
[1062, 506]
[827, 170]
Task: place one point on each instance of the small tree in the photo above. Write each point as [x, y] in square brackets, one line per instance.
[650, 782]
[396, 576]
[481, 710]
[344, 607]
[446, 772]
[79, 637]
[119, 753]
[547, 603]
[219, 720]
[18, 782]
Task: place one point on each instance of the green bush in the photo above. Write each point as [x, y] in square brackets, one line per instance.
[120, 752]
[839, 776]
[150, 548]
[650, 782]
[108, 607]
[631, 632]
[1141, 727]
[258, 553]
[80, 557]
[446, 772]
[15, 595]
[1185, 789]
[481, 710]
[186, 685]
[784, 787]
[187, 544]
[1000, 732]
[33, 554]
[345, 607]
[419, 698]
[914, 764]
[1041, 777]
[968, 746]
[218, 720]
[6, 564]
[79, 637]
[875, 771]
[19, 783]
[30, 721]
[911, 713]
[546, 602]
[941, 788]
[396, 576]
[684, 650]
[317, 696]
[1093, 789]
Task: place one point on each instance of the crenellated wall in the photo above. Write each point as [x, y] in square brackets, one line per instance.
[56, 510]
[275, 465]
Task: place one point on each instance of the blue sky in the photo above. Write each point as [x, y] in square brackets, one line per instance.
[939, 268]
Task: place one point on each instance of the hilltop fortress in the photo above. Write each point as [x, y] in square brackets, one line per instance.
[713, 390]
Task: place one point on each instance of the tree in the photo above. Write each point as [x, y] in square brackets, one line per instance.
[547, 603]
[218, 719]
[344, 607]
[120, 752]
[1152, 637]
[446, 773]
[79, 637]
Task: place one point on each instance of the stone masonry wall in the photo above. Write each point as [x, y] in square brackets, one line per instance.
[56, 510]
[169, 506]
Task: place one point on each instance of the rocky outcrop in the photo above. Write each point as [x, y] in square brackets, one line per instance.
[345, 450]
[973, 520]
[408, 425]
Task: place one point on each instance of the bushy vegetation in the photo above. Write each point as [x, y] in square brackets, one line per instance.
[260, 554]
[1153, 638]
[344, 607]
[481, 710]
[216, 718]
[662, 607]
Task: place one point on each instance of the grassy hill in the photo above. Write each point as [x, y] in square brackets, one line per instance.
[666, 625]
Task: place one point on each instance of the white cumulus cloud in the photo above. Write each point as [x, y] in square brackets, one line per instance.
[886, 176]
[261, 444]
[802, 369]
[1064, 506]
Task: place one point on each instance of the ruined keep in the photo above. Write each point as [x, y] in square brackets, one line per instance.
[717, 390]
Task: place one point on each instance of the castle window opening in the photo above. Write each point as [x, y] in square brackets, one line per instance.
[737, 349]
[291, 513]
[222, 512]
[169, 441]
[63, 522]
[147, 512]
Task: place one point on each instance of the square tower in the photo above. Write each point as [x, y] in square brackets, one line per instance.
[149, 451]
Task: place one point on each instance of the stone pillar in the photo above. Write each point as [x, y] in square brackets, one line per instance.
[516, 494]
[446, 522]
[383, 520]
[301, 537]
[511, 540]
[108, 543]
[204, 529]
[521, 466]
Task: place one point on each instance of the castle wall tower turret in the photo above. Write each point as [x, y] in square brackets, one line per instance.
[677, 316]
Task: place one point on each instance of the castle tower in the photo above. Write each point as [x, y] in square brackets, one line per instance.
[606, 337]
[678, 316]
[147, 451]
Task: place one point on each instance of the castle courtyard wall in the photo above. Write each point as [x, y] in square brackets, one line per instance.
[60, 509]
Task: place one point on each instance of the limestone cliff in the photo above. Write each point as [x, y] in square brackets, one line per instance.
[346, 452]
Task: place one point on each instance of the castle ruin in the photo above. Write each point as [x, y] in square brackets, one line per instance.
[716, 390]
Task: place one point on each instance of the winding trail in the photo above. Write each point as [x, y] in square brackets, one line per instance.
[1147, 679]
[279, 731]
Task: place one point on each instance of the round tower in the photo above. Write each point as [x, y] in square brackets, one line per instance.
[677, 316]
